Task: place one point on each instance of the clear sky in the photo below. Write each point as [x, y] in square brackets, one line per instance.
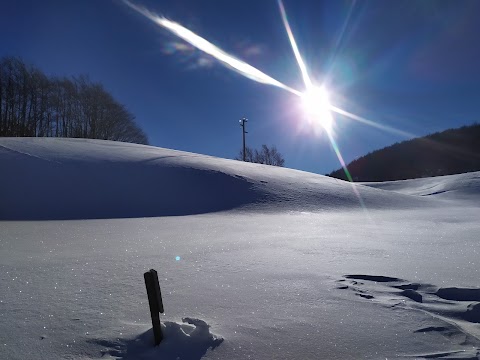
[408, 65]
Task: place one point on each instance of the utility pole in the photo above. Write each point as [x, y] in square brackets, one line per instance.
[242, 124]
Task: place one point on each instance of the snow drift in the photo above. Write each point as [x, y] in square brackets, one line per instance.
[53, 179]
[455, 187]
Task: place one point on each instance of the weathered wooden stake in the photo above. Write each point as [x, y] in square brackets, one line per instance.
[155, 302]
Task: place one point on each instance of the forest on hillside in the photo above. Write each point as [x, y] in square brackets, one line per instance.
[35, 105]
[449, 152]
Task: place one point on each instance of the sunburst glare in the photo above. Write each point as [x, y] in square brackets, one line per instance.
[316, 104]
[315, 99]
[207, 47]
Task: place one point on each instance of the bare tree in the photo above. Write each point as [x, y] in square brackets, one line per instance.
[266, 155]
[32, 104]
[249, 155]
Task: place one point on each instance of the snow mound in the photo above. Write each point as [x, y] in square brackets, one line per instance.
[58, 179]
[190, 339]
[459, 186]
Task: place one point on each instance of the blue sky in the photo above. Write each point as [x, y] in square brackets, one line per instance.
[409, 65]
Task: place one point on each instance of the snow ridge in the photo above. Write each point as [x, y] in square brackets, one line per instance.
[59, 179]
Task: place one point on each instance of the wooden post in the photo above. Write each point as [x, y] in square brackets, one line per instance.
[155, 302]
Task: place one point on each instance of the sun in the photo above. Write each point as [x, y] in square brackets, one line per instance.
[316, 104]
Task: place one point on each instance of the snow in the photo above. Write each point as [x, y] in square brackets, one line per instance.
[272, 262]
[464, 186]
[85, 179]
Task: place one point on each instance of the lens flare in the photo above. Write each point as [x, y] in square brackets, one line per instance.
[293, 43]
[316, 104]
[347, 173]
[315, 99]
[207, 47]
[370, 122]
[244, 68]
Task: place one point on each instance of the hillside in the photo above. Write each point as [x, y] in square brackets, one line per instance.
[449, 152]
[54, 178]
[460, 186]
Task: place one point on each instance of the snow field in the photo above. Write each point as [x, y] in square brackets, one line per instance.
[291, 268]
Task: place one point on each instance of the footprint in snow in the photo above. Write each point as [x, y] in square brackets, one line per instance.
[458, 308]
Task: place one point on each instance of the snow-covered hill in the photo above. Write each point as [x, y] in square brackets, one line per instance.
[51, 178]
[455, 187]
[267, 263]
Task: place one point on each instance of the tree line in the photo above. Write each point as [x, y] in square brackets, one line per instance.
[266, 155]
[452, 151]
[35, 105]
